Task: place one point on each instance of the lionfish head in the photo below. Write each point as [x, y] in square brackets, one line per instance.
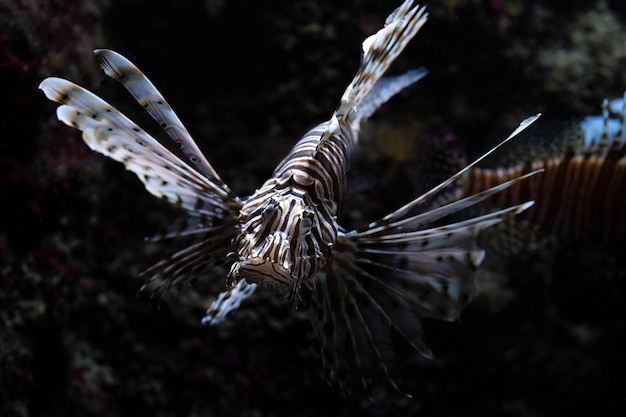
[276, 247]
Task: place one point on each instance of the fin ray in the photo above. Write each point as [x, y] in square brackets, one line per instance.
[126, 73]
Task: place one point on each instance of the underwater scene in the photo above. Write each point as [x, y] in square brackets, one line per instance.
[338, 227]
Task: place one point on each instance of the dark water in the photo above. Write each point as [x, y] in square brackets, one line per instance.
[543, 337]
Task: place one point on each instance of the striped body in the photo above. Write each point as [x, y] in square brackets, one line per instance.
[363, 285]
[288, 226]
[580, 194]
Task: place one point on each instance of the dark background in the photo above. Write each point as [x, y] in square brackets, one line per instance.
[544, 337]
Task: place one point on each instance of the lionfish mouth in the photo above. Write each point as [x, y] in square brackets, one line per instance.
[268, 265]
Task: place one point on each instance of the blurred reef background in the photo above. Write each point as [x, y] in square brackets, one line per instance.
[545, 335]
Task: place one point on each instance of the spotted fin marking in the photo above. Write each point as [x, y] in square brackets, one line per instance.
[367, 285]
[417, 204]
[382, 48]
[386, 285]
[125, 72]
[109, 132]
[379, 52]
[435, 214]
[386, 277]
[211, 205]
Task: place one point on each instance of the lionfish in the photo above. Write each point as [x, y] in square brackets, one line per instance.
[579, 196]
[361, 286]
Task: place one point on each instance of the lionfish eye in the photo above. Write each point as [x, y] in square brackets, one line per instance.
[307, 222]
[268, 209]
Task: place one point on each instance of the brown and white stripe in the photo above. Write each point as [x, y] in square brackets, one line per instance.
[580, 194]
[363, 285]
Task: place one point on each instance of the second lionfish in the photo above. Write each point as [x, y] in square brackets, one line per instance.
[360, 286]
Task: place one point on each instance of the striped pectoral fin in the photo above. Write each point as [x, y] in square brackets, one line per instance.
[202, 255]
[391, 226]
[437, 282]
[125, 72]
[354, 314]
[228, 301]
[432, 269]
[211, 206]
[109, 132]
[412, 211]
[379, 285]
